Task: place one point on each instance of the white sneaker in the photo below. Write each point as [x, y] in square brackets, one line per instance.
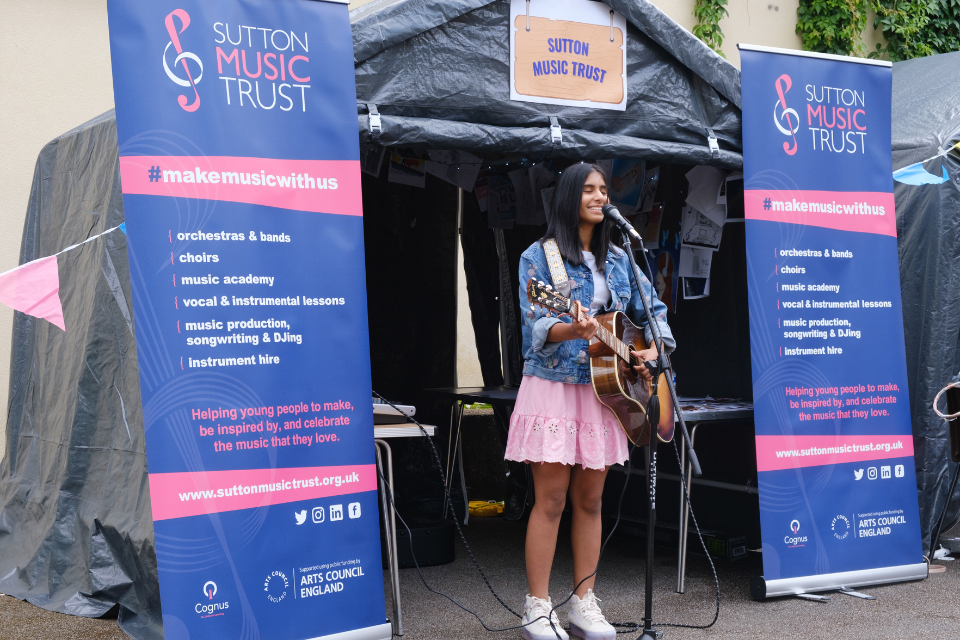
[587, 621]
[535, 629]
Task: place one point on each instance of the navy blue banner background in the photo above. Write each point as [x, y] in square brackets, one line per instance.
[834, 443]
[268, 560]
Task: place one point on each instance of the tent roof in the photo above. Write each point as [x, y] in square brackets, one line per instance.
[926, 102]
[437, 72]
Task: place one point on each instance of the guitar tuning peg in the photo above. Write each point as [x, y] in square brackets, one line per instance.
[549, 288]
[533, 307]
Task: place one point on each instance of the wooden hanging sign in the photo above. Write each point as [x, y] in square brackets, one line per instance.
[569, 52]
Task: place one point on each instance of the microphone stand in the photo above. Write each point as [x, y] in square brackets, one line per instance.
[663, 365]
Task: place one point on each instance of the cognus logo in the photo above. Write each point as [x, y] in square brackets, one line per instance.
[212, 608]
[795, 540]
[783, 84]
[181, 59]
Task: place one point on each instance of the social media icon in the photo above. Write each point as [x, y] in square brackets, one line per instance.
[872, 473]
[898, 471]
[353, 510]
[301, 516]
[857, 474]
[318, 514]
[336, 512]
[885, 472]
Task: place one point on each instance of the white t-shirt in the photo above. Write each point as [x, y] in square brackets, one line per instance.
[601, 293]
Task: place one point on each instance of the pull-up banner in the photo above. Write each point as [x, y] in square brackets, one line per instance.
[239, 163]
[838, 496]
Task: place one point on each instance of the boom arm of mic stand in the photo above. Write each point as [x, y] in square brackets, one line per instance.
[658, 341]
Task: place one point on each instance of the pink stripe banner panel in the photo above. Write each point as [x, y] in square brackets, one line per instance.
[319, 186]
[180, 495]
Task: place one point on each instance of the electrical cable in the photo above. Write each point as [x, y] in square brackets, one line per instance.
[716, 580]
[627, 627]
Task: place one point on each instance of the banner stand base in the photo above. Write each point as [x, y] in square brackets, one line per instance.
[378, 632]
[761, 589]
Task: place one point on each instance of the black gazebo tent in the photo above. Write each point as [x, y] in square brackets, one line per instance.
[926, 120]
[76, 531]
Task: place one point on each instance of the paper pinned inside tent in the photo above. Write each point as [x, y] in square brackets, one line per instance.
[704, 192]
[632, 187]
[456, 167]
[408, 171]
[696, 288]
[501, 202]
[695, 271]
[371, 158]
[648, 225]
[697, 230]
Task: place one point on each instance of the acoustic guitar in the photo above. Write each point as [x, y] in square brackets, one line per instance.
[615, 382]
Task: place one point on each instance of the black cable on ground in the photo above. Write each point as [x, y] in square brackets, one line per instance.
[716, 580]
[627, 627]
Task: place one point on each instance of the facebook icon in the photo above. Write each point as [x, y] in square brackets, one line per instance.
[353, 509]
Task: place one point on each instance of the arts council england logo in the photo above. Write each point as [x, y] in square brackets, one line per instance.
[182, 57]
[276, 586]
[840, 527]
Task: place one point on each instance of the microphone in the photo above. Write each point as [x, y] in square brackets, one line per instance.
[611, 212]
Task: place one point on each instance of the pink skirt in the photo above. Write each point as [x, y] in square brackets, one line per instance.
[565, 423]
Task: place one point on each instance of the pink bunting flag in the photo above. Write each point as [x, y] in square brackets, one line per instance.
[34, 289]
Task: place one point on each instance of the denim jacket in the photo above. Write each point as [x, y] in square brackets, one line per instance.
[568, 361]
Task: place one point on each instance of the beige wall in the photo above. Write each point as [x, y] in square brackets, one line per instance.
[55, 62]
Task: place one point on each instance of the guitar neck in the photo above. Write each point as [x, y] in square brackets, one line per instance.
[608, 338]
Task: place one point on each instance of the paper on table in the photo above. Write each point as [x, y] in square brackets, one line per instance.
[694, 288]
[407, 171]
[704, 185]
[699, 231]
[695, 263]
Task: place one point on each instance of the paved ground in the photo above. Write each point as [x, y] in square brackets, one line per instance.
[22, 621]
[927, 609]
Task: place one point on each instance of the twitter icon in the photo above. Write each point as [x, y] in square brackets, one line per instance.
[301, 516]
[857, 474]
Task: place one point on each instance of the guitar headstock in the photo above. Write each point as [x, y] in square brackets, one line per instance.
[543, 295]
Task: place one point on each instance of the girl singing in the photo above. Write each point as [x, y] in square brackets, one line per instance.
[558, 424]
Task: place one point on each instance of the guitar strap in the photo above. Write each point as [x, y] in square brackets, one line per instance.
[558, 272]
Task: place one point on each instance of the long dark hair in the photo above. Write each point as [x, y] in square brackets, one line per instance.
[563, 223]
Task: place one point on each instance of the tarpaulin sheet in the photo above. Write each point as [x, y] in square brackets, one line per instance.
[76, 532]
[438, 75]
[926, 119]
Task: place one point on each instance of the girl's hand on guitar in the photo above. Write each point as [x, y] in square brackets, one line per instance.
[643, 356]
[585, 327]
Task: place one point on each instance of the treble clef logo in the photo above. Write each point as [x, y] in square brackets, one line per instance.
[783, 84]
[182, 57]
